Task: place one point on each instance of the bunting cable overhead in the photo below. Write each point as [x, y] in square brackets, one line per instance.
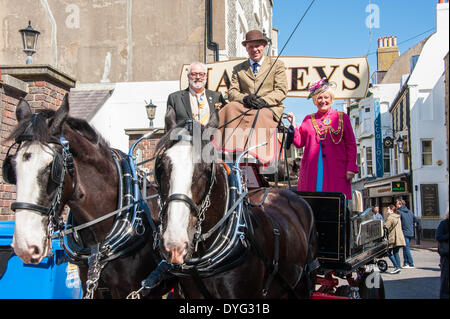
[409, 39]
[284, 46]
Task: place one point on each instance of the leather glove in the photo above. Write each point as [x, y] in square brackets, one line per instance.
[251, 101]
[261, 103]
[290, 137]
[162, 272]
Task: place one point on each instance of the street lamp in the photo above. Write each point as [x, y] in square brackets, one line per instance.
[151, 110]
[400, 145]
[29, 37]
[269, 41]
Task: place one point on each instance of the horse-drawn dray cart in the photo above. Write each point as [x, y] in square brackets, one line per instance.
[239, 242]
[350, 244]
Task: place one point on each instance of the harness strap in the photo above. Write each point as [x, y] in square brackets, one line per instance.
[271, 264]
[184, 198]
[276, 245]
[311, 265]
[98, 220]
[30, 206]
[276, 255]
[205, 236]
[200, 284]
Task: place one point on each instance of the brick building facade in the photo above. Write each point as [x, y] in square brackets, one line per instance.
[145, 150]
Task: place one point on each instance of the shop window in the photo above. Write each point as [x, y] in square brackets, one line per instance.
[358, 162]
[395, 159]
[427, 153]
[369, 160]
[386, 161]
[405, 153]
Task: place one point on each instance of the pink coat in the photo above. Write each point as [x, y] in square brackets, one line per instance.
[337, 158]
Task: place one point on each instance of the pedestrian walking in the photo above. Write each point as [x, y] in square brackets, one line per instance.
[395, 237]
[442, 239]
[376, 213]
[408, 221]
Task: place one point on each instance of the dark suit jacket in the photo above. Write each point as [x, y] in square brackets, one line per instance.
[181, 103]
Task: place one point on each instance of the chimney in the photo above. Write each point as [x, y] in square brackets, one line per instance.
[442, 18]
[387, 52]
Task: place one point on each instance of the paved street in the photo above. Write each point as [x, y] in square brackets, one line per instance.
[421, 282]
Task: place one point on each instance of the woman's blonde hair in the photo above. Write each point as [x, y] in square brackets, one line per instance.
[328, 89]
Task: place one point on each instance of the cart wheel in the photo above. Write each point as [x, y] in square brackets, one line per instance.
[372, 286]
[382, 265]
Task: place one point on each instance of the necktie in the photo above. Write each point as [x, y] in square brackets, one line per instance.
[255, 68]
[203, 113]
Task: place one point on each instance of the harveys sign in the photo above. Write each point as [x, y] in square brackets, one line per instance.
[350, 74]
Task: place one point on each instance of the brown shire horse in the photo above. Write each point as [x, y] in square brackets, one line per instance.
[89, 185]
[265, 253]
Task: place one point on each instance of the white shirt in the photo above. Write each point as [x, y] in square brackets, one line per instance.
[259, 63]
[194, 102]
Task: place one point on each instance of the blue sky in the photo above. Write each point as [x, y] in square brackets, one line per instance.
[337, 28]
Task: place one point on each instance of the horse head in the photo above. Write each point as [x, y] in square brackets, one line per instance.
[184, 171]
[37, 170]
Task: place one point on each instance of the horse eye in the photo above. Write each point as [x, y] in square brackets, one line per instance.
[26, 156]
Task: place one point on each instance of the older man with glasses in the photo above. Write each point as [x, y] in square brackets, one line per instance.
[195, 102]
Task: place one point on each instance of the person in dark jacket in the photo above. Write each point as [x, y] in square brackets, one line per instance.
[195, 102]
[408, 221]
[442, 237]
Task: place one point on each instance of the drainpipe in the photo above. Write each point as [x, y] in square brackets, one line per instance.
[211, 44]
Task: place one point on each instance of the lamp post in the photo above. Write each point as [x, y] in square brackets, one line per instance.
[400, 145]
[269, 40]
[151, 110]
[29, 37]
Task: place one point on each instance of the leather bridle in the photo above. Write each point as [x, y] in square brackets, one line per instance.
[62, 165]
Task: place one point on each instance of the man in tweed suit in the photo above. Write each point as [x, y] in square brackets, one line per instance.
[257, 83]
[195, 102]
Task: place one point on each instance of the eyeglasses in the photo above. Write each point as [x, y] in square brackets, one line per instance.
[200, 75]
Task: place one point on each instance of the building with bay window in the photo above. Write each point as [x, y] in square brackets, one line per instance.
[406, 109]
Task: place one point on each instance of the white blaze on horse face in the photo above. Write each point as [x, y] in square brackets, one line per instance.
[178, 212]
[29, 240]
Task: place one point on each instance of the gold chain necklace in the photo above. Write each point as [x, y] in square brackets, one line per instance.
[322, 134]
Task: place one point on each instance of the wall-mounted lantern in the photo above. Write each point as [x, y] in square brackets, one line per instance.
[29, 37]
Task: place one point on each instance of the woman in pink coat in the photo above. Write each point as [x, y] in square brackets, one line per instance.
[329, 157]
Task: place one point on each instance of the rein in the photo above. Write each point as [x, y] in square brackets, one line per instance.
[131, 227]
[71, 229]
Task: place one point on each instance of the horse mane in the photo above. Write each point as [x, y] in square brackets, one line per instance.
[43, 121]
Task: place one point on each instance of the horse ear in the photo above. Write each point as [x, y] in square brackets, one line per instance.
[171, 119]
[23, 110]
[214, 119]
[60, 116]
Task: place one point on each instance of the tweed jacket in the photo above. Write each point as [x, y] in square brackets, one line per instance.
[395, 234]
[181, 103]
[273, 90]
